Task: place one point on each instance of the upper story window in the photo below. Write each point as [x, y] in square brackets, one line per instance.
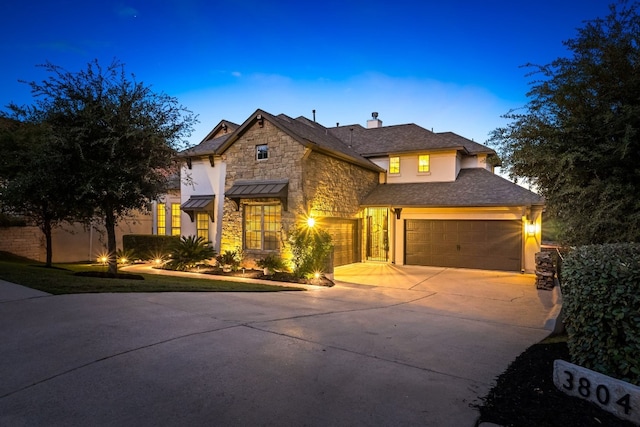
[394, 165]
[262, 152]
[423, 163]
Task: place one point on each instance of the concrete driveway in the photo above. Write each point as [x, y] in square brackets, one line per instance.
[386, 346]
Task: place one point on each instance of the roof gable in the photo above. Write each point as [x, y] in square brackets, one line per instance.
[213, 140]
[310, 134]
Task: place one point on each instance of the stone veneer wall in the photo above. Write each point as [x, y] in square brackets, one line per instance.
[284, 162]
[24, 241]
[335, 188]
[318, 184]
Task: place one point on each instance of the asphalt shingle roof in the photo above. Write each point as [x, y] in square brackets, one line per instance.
[402, 139]
[209, 145]
[319, 135]
[473, 187]
[472, 147]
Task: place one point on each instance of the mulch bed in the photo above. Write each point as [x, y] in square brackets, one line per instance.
[277, 276]
[524, 395]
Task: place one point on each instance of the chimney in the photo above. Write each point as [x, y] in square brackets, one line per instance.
[374, 122]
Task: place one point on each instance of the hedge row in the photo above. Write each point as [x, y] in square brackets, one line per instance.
[146, 246]
[11, 221]
[601, 304]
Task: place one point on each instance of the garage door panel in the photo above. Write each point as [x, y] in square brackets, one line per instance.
[344, 236]
[481, 244]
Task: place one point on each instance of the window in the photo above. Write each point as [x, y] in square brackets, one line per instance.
[175, 219]
[262, 152]
[162, 219]
[394, 165]
[423, 163]
[261, 224]
[202, 225]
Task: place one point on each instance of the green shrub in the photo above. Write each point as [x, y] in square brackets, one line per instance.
[233, 259]
[189, 252]
[272, 262]
[148, 246]
[601, 294]
[311, 248]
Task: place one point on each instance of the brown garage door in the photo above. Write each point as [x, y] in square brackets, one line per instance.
[490, 245]
[344, 236]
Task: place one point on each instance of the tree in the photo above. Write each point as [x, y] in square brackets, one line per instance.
[118, 134]
[578, 138]
[33, 180]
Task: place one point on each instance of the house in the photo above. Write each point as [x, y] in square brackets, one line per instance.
[399, 194]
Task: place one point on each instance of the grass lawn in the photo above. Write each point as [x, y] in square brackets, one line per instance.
[61, 280]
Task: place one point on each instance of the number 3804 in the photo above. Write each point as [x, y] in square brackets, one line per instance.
[599, 392]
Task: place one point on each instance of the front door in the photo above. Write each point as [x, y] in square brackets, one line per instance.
[377, 234]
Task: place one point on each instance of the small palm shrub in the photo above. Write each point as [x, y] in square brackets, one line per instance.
[232, 259]
[189, 252]
[272, 262]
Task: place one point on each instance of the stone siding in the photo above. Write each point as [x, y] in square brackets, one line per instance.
[24, 241]
[335, 188]
[283, 162]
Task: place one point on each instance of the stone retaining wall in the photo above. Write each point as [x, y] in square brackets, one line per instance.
[545, 271]
[24, 241]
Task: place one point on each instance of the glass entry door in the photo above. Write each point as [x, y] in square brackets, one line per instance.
[376, 226]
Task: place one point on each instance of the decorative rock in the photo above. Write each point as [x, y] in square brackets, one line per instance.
[545, 271]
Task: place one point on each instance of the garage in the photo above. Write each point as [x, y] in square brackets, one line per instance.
[481, 244]
[344, 236]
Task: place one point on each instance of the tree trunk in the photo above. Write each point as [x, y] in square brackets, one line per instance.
[46, 229]
[110, 225]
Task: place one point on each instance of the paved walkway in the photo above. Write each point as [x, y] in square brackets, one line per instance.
[386, 346]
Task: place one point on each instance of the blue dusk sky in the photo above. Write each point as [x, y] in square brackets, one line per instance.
[451, 65]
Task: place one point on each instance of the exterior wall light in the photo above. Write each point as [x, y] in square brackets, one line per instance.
[531, 229]
[311, 222]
